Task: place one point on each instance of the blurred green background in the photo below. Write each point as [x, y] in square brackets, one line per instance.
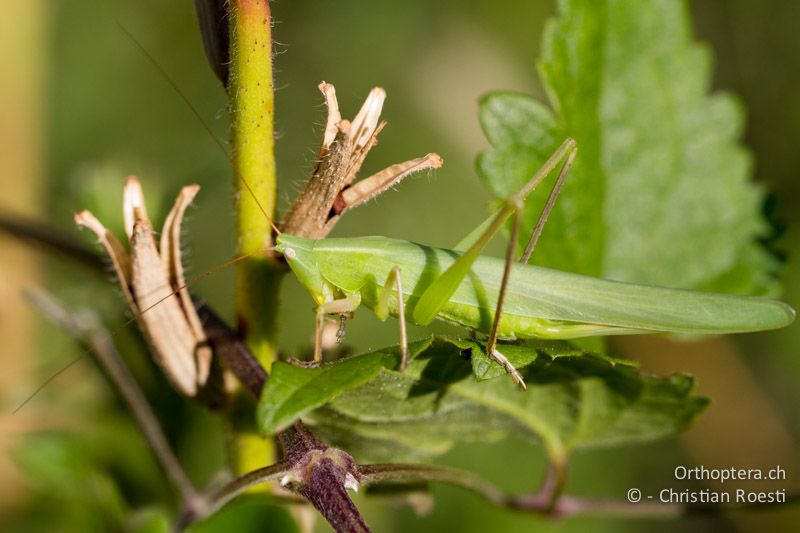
[83, 108]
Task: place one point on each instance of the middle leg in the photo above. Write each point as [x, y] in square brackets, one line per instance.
[382, 311]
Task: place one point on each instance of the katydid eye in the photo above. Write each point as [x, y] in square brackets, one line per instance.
[289, 254]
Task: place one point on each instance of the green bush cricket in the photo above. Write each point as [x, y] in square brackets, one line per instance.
[501, 298]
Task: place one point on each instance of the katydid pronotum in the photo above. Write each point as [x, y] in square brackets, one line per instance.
[502, 298]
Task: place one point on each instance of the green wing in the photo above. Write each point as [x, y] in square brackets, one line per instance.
[536, 293]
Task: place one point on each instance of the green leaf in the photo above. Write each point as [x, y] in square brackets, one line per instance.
[484, 368]
[574, 400]
[521, 355]
[292, 391]
[660, 191]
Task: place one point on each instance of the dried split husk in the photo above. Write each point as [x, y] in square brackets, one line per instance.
[330, 191]
[152, 280]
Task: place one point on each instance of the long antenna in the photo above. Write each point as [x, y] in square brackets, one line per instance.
[46, 382]
[118, 329]
[199, 117]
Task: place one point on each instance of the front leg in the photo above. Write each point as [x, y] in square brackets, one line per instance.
[347, 304]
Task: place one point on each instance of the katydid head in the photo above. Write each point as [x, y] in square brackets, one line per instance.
[300, 256]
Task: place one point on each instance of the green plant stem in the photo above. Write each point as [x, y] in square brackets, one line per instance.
[251, 96]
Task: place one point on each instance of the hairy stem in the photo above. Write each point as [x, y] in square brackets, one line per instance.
[250, 91]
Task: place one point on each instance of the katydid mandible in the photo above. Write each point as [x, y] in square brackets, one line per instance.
[503, 298]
